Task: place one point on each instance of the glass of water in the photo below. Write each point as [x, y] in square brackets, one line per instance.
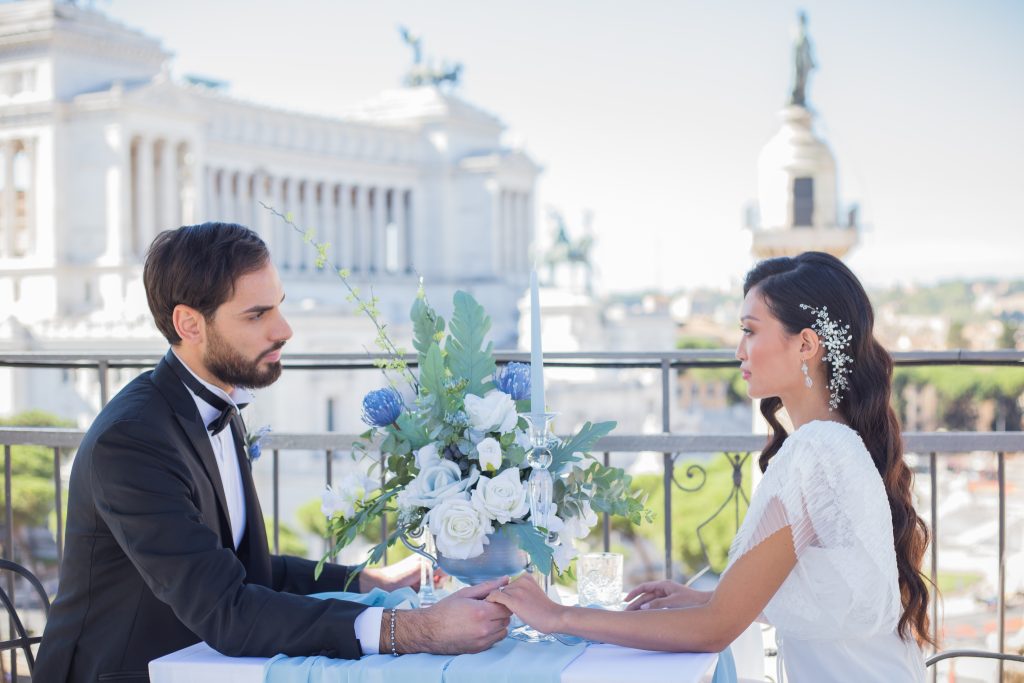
[599, 580]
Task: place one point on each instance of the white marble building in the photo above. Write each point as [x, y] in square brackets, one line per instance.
[101, 149]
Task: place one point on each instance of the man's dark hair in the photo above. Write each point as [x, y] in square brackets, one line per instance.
[198, 265]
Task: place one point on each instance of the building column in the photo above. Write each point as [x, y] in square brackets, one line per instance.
[209, 192]
[378, 226]
[328, 223]
[399, 216]
[309, 222]
[260, 216]
[31, 226]
[291, 195]
[171, 194]
[359, 232]
[519, 235]
[343, 228]
[186, 184]
[143, 232]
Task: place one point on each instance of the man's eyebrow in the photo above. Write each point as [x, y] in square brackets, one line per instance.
[260, 309]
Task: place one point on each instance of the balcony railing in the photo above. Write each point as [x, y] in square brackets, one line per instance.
[739, 449]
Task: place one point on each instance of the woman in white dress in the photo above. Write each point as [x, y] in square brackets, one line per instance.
[831, 547]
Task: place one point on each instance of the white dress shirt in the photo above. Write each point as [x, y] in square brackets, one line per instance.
[367, 624]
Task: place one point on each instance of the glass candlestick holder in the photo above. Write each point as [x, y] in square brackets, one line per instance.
[540, 487]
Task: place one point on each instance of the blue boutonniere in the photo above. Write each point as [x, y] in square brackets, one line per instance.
[254, 443]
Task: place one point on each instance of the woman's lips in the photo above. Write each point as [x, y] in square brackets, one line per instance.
[746, 375]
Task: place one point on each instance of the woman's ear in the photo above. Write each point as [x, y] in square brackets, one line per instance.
[189, 324]
[810, 344]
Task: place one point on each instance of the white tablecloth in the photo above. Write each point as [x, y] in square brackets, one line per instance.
[598, 664]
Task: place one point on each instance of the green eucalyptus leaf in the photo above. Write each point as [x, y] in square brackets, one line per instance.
[582, 442]
[531, 540]
[426, 325]
[468, 358]
[432, 375]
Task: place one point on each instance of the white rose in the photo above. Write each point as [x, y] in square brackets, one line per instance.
[489, 451]
[564, 553]
[502, 498]
[426, 455]
[495, 412]
[351, 489]
[437, 481]
[460, 530]
[578, 525]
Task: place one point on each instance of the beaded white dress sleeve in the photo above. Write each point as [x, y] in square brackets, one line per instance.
[838, 609]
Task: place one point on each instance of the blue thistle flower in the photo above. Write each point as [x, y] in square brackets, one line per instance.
[514, 380]
[381, 407]
[254, 440]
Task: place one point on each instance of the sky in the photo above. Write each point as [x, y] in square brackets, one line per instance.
[651, 114]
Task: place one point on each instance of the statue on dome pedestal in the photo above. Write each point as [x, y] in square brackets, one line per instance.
[572, 255]
[420, 73]
[803, 64]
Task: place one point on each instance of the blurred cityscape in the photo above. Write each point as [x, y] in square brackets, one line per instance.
[102, 148]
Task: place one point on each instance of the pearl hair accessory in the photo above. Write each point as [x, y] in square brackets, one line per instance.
[836, 338]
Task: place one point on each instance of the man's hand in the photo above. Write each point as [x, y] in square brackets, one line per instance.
[395, 576]
[527, 600]
[461, 623]
[661, 594]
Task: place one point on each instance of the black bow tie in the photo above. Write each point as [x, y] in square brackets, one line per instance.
[227, 411]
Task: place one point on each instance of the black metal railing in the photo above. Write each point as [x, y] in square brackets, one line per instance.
[737, 448]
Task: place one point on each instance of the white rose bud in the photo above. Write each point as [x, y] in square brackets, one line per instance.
[460, 530]
[438, 480]
[489, 451]
[495, 412]
[426, 455]
[502, 498]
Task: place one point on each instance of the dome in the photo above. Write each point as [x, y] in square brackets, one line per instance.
[796, 176]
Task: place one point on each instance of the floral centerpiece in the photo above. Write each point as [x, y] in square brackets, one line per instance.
[456, 446]
[455, 443]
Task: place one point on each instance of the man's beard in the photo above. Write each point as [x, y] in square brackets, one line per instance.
[231, 367]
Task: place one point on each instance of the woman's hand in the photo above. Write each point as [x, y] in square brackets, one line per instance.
[661, 594]
[405, 573]
[527, 601]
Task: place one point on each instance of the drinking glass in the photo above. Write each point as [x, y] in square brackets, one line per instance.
[599, 580]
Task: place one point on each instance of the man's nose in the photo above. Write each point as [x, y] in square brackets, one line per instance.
[283, 331]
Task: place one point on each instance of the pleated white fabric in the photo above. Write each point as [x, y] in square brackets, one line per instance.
[836, 614]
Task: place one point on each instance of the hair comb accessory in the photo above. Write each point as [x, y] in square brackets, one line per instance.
[836, 338]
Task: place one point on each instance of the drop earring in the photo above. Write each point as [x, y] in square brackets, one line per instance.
[807, 377]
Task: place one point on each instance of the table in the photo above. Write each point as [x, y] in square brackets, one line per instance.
[598, 664]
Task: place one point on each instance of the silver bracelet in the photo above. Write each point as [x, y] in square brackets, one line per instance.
[394, 651]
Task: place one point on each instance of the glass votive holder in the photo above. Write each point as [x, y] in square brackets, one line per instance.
[599, 580]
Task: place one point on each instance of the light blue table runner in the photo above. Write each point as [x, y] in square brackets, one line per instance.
[510, 661]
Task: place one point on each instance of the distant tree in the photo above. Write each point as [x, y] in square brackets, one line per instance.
[32, 481]
[736, 391]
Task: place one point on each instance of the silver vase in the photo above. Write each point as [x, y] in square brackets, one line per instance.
[502, 556]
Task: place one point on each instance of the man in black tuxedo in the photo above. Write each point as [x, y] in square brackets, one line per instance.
[166, 543]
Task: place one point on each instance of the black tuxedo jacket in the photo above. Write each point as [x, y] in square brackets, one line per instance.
[149, 563]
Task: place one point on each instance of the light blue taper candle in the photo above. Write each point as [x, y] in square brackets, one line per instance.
[536, 355]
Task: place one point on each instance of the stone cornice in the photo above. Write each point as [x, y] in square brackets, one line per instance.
[43, 24]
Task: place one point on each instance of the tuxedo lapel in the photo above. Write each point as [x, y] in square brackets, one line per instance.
[187, 415]
[253, 551]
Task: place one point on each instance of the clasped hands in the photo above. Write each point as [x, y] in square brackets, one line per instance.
[477, 617]
[524, 598]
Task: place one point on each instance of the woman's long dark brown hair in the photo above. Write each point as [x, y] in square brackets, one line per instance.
[821, 280]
